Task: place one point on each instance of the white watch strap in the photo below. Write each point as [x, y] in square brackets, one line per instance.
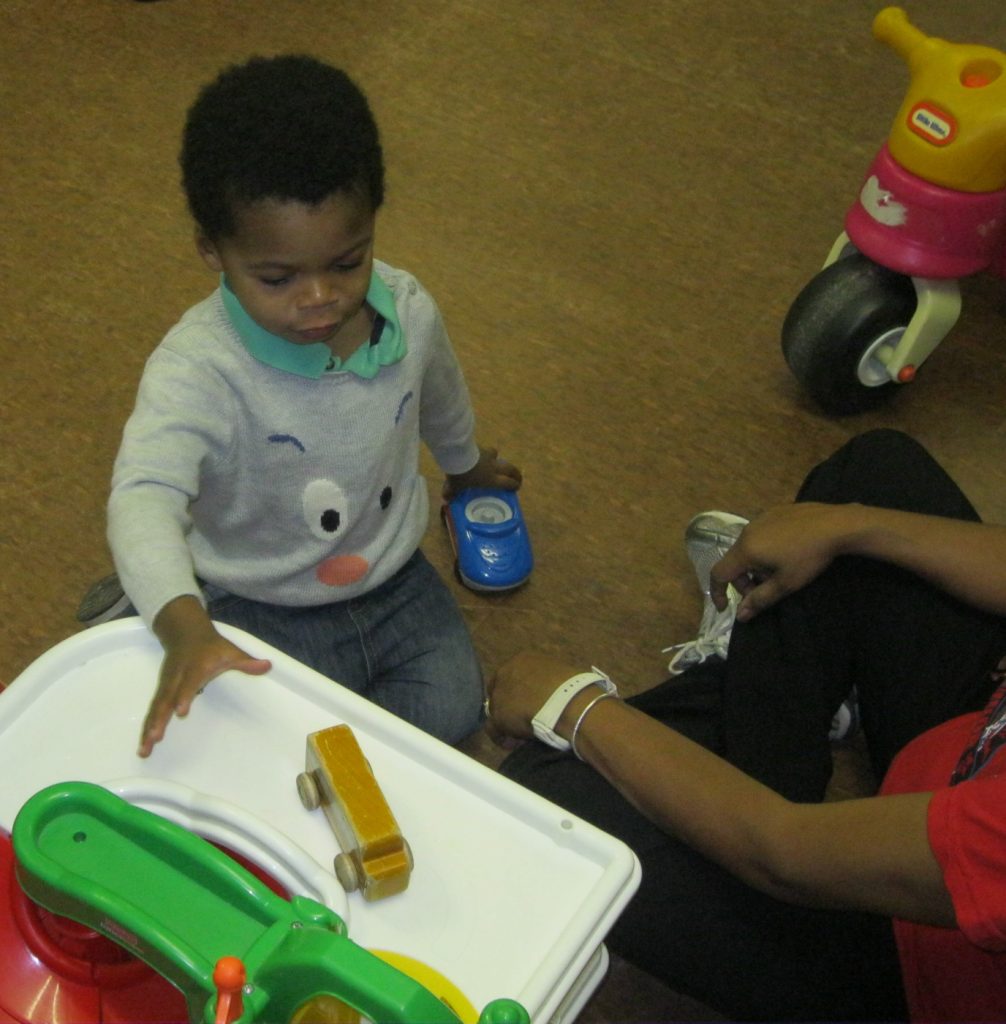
[544, 721]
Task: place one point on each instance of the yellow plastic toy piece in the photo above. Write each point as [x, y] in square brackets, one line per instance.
[951, 128]
[325, 1010]
[329, 1010]
[375, 857]
[429, 977]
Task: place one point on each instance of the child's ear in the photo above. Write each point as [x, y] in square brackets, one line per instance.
[208, 251]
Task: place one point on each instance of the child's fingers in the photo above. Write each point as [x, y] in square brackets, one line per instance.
[508, 475]
[154, 726]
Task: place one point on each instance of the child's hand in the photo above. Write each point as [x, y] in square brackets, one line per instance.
[489, 471]
[194, 654]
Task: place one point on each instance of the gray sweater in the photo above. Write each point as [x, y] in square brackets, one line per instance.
[274, 486]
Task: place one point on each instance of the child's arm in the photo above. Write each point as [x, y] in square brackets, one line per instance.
[489, 471]
[181, 423]
[446, 418]
[194, 654]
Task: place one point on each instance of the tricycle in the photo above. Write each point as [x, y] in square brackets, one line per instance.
[931, 210]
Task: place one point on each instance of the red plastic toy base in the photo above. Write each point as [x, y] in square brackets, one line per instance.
[56, 970]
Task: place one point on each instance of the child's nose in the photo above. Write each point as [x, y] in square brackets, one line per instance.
[319, 291]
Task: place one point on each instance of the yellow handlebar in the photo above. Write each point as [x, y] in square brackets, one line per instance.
[951, 128]
[892, 27]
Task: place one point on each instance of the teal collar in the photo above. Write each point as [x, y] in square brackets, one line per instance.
[386, 345]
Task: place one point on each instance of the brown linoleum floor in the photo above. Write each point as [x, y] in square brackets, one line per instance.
[614, 204]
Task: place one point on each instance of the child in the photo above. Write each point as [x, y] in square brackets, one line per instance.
[269, 474]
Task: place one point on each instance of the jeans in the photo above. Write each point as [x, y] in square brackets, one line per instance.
[403, 645]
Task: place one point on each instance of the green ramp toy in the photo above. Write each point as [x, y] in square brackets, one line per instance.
[183, 906]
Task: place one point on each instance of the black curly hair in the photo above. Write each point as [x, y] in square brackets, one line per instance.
[288, 127]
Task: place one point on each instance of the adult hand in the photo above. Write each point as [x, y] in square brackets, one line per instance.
[194, 654]
[780, 552]
[489, 471]
[518, 690]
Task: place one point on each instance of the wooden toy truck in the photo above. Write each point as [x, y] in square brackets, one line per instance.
[375, 858]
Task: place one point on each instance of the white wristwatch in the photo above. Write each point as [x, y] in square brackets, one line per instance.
[544, 721]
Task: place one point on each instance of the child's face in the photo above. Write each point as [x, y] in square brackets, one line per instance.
[300, 271]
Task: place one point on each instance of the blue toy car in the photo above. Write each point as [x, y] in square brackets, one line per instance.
[489, 538]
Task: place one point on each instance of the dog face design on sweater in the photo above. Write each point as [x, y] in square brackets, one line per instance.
[325, 510]
[329, 510]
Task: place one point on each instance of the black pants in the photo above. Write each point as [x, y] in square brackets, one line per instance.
[916, 658]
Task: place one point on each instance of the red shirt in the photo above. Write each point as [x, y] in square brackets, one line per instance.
[959, 974]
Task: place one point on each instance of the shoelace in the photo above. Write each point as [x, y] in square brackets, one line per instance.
[713, 639]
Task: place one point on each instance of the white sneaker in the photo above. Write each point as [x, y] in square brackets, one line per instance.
[845, 724]
[708, 537]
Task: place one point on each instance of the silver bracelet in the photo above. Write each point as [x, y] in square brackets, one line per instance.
[583, 715]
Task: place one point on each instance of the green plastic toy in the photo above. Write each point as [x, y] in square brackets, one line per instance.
[190, 911]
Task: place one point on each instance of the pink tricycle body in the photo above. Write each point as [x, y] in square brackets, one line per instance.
[925, 230]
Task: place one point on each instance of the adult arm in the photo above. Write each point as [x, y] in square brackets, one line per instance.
[871, 854]
[788, 546]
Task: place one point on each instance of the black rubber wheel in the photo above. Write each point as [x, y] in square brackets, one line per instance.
[831, 330]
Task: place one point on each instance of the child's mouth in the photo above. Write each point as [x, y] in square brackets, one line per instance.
[318, 333]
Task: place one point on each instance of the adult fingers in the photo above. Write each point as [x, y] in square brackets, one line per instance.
[762, 595]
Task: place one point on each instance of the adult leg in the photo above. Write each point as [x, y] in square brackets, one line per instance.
[915, 655]
[699, 929]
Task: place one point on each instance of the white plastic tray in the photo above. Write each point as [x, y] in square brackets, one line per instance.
[510, 895]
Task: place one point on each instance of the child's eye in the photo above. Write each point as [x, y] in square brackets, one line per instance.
[274, 282]
[345, 268]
